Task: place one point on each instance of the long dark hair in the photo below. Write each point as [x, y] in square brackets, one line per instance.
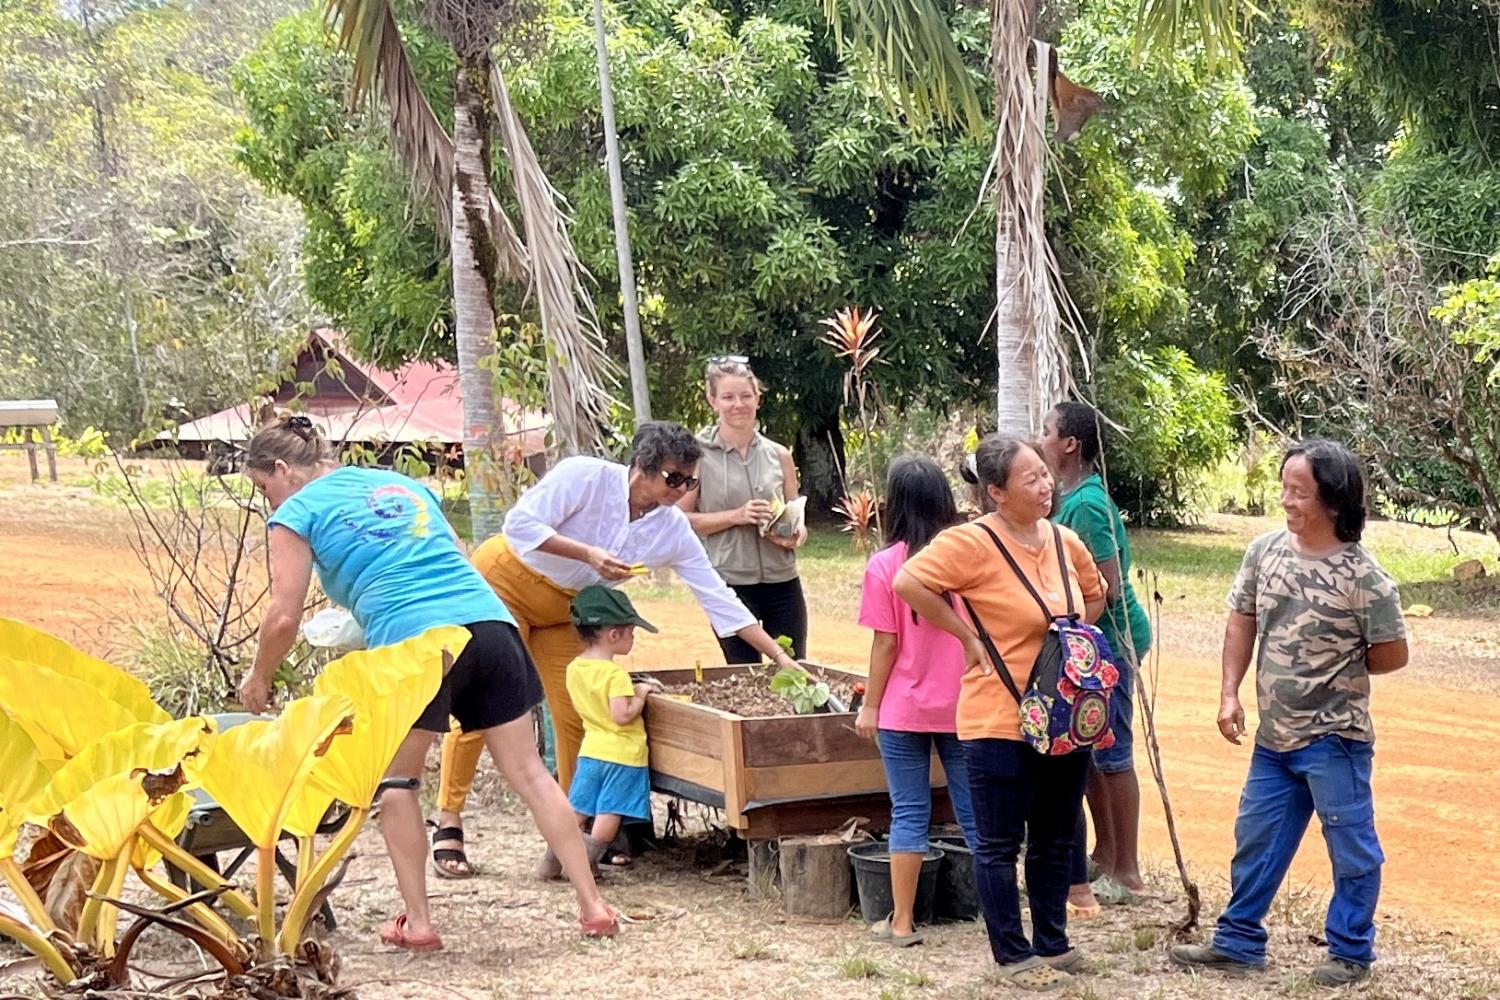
[918, 502]
[1341, 484]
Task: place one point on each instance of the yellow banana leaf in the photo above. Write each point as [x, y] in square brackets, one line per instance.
[170, 817]
[19, 641]
[61, 714]
[389, 687]
[256, 771]
[311, 805]
[22, 778]
[96, 801]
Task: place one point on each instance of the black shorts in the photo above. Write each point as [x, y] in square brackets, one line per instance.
[492, 682]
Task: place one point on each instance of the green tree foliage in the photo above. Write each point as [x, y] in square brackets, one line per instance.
[142, 278]
[1176, 422]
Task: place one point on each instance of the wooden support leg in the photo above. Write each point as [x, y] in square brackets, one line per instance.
[29, 444]
[51, 447]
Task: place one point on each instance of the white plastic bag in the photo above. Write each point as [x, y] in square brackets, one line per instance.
[333, 628]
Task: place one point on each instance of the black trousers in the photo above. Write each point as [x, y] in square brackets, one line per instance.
[781, 609]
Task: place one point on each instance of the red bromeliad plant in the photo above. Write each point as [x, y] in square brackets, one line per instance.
[851, 334]
[860, 512]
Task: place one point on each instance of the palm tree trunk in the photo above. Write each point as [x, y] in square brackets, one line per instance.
[1031, 365]
[475, 264]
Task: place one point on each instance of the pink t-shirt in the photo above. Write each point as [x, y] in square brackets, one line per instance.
[922, 693]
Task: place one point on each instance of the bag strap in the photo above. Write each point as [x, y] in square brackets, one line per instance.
[994, 653]
[1062, 567]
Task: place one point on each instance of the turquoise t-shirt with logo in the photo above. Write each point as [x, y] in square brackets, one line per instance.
[1093, 516]
[383, 549]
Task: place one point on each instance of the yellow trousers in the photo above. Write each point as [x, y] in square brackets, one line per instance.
[542, 612]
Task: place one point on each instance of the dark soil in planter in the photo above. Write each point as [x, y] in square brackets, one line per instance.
[748, 694]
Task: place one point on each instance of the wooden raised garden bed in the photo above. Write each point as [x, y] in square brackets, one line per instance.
[772, 776]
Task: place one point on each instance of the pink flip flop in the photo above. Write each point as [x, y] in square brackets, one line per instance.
[601, 927]
[394, 932]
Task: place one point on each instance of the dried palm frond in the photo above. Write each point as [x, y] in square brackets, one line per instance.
[367, 30]
[578, 366]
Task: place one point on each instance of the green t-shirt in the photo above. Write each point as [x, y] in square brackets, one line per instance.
[1093, 516]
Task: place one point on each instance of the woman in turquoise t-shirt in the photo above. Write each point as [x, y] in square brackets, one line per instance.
[383, 549]
[1070, 443]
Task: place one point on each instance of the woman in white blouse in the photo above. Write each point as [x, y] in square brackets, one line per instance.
[588, 521]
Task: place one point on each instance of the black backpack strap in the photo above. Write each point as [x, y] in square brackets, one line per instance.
[1025, 581]
[1062, 569]
[989, 647]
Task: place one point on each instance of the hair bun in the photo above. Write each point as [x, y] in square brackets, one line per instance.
[300, 425]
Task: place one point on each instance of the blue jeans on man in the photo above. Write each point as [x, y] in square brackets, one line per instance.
[908, 770]
[1330, 776]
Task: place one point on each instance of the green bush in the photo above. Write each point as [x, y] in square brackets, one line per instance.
[1176, 424]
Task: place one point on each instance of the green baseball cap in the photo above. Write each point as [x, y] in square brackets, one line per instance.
[601, 606]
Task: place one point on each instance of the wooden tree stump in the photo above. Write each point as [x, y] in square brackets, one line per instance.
[815, 876]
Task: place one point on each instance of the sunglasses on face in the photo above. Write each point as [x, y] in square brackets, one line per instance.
[679, 480]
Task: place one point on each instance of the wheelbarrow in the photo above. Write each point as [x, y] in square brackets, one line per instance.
[210, 831]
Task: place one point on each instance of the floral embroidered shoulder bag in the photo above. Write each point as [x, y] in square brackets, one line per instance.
[1065, 706]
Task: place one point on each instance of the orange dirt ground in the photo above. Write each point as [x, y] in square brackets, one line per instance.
[67, 567]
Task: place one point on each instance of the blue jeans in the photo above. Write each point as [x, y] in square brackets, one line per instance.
[1332, 777]
[1020, 795]
[907, 758]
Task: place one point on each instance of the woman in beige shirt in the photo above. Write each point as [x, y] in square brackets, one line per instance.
[742, 472]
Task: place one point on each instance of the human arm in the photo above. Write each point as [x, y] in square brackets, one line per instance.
[768, 647]
[1091, 582]
[751, 512]
[1386, 657]
[1109, 569]
[882, 658]
[627, 709]
[1239, 644]
[291, 576]
[930, 605]
[600, 559]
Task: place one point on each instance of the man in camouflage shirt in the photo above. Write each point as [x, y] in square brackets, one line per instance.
[1325, 617]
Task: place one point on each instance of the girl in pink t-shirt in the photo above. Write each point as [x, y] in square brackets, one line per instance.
[912, 694]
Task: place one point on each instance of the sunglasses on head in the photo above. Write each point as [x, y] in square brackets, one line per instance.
[728, 359]
[679, 480]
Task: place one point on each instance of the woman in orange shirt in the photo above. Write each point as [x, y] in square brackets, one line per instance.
[1019, 795]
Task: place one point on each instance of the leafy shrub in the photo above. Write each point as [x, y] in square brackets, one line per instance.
[1176, 424]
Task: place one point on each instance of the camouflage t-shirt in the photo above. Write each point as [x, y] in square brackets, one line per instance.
[1315, 619]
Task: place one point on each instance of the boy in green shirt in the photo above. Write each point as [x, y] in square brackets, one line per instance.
[1070, 443]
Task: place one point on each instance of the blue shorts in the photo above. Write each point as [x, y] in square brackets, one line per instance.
[1120, 757]
[604, 788]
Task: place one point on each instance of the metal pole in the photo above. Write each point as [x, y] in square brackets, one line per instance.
[640, 392]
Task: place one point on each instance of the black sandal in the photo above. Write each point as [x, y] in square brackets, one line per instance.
[449, 862]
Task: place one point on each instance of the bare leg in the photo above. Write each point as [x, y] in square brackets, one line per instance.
[1097, 796]
[606, 828]
[906, 868]
[1121, 792]
[515, 753]
[401, 825]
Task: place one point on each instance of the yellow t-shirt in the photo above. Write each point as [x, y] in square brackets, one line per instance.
[591, 684]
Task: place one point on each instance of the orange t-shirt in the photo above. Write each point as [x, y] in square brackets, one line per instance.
[965, 561]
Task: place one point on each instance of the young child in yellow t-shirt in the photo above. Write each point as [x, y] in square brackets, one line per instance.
[611, 781]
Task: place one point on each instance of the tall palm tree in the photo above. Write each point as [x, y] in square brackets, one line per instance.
[920, 64]
[484, 245]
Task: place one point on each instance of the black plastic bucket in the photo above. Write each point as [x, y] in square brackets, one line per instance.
[957, 893]
[872, 880]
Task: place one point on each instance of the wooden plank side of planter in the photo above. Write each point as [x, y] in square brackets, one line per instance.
[735, 794]
[818, 779]
[697, 768]
[684, 725]
[800, 739]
